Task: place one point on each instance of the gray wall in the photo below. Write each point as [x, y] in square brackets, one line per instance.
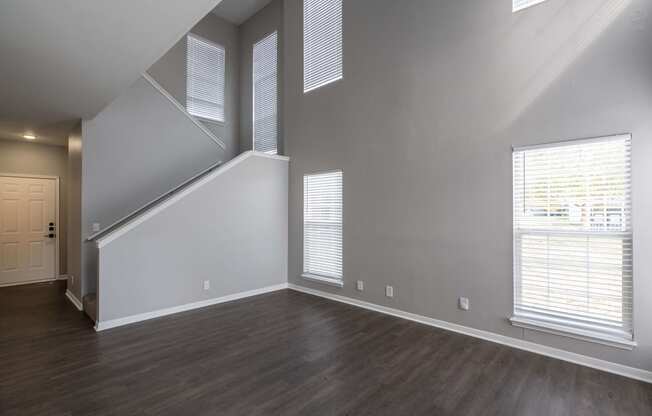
[135, 150]
[434, 95]
[256, 28]
[75, 211]
[232, 230]
[37, 159]
[170, 72]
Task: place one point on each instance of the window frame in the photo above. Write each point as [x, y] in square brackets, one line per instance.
[565, 323]
[307, 275]
[217, 45]
[302, 57]
[532, 3]
[253, 92]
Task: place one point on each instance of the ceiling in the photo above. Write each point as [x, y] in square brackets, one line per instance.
[238, 11]
[65, 60]
[51, 133]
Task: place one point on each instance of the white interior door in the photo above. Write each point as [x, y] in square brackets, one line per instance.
[28, 245]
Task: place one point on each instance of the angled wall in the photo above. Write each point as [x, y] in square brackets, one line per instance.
[170, 71]
[229, 229]
[135, 150]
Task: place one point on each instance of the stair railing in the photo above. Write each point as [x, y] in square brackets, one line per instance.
[152, 204]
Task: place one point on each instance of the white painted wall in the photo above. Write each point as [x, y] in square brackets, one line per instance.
[434, 95]
[134, 151]
[230, 229]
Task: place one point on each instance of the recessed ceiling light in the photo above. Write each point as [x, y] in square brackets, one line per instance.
[29, 136]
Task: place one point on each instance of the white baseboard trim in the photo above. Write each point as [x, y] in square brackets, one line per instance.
[104, 325]
[73, 299]
[622, 370]
[31, 282]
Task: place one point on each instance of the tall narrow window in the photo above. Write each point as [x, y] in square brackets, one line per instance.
[322, 227]
[205, 79]
[573, 239]
[265, 120]
[524, 4]
[322, 43]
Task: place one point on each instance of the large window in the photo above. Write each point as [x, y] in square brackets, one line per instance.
[265, 118]
[322, 227]
[205, 79]
[573, 239]
[322, 43]
[524, 4]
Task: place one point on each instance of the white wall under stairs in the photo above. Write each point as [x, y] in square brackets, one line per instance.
[138, 148]
[229, 228]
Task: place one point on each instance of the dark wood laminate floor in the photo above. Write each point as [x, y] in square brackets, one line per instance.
[284, 353]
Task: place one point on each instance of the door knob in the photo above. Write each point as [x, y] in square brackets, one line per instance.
[50, 235]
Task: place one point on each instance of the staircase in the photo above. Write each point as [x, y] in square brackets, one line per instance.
[218, 236]
[90, 300]
[174, 244]
[144, 117]
[90, 306]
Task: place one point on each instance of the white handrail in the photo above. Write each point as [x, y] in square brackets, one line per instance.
[181, 108]
[138, 217]
[134, 214]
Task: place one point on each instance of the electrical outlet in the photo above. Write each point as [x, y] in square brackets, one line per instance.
[360, 285]
[207, 284]
[464, 304]
[96, 227]
[72, 280]
[389, 291]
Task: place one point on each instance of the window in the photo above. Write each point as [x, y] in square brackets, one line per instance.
[322, 43]
[573, 239]
[524, 4]
[205, 83]
[322, 227]
[264, 95]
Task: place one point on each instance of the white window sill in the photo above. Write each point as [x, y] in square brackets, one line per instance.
[219, 123]
[323, 280]
[576, 333]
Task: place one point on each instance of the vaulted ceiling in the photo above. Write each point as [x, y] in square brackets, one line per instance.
[67, 59]
[238, 11]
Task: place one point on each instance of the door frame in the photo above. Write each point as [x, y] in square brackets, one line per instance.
[57, 202]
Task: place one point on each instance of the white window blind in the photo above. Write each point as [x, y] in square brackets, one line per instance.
[264, 95]
[573, 238]
[205, 79]
[322, 43]
[524, 4]
[322, 225]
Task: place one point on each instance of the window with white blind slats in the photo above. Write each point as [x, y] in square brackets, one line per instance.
[524, 4]
[573, 254]
[205, 79]
[322, 226]
[265, 120]
[322, 43]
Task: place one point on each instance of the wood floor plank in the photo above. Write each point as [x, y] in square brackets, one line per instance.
[284, 353]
